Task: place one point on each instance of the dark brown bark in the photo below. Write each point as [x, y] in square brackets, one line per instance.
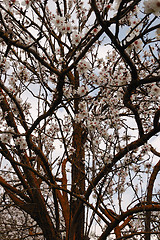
[78, 171]
[149, 200]
[78, 178]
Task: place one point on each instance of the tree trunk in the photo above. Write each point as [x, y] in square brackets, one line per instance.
[78, 170]
[78, 178]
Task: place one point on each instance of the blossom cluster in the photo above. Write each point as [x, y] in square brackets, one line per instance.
[24, 3]
[61, 25]
[54, 85]
[20, 142]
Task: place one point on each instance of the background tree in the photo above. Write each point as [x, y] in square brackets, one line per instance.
[79, 100]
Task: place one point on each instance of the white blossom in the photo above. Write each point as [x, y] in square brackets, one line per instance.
[59, 21]
[66, 28]
[26, 3]
[138, 44]
[76, 38]
[81, 91]
[155, 90]
[83, 66]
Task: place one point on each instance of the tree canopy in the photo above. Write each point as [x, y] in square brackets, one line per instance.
[79, 119]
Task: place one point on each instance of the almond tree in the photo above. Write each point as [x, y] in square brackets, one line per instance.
[79, 114]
